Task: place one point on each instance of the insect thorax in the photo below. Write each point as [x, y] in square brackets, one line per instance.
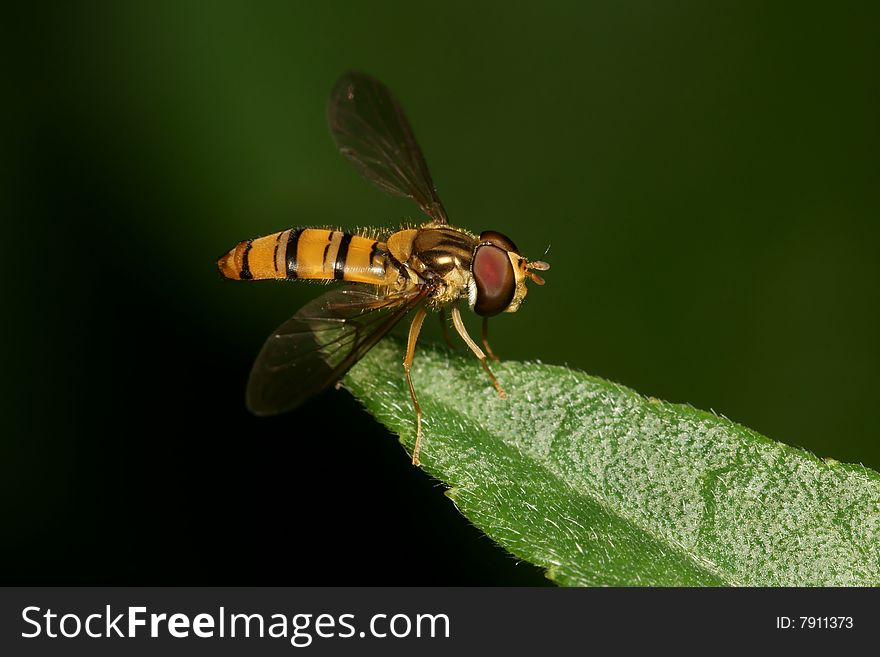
[438, 256]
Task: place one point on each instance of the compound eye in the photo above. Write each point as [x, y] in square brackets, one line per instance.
[499, 240]
[494, 278]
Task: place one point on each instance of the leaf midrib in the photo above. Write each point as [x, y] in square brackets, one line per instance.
[698, 562]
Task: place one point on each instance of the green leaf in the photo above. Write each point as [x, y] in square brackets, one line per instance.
[602, 486]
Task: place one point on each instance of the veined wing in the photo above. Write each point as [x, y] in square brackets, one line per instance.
[371, 130]
[318, 345]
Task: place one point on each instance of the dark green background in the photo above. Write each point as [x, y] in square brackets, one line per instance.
[705, 175]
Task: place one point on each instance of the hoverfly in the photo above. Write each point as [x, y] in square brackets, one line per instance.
[390, 274]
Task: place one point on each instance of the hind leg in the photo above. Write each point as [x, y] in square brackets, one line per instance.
[414, 329]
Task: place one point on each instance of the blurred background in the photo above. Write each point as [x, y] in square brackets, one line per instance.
[704, 175]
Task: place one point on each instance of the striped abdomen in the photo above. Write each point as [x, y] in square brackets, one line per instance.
[310, 254]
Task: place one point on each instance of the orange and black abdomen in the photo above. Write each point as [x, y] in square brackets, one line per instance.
[309, 254]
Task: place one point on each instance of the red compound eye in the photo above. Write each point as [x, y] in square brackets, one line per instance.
[498, 239]
[495, 280]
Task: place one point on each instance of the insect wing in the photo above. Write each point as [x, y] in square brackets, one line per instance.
[371, 130]
[318, 345]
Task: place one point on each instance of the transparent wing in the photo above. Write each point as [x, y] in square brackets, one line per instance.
[318, 345]
[371, 130]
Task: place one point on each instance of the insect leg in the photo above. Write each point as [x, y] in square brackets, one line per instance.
[489, 351]
[414, 329]
[462, 331]
[445, 329]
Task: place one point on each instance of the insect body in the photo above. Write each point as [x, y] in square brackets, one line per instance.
[432, 266]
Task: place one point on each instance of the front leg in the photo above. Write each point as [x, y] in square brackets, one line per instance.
[462, 331]
[489, 351]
